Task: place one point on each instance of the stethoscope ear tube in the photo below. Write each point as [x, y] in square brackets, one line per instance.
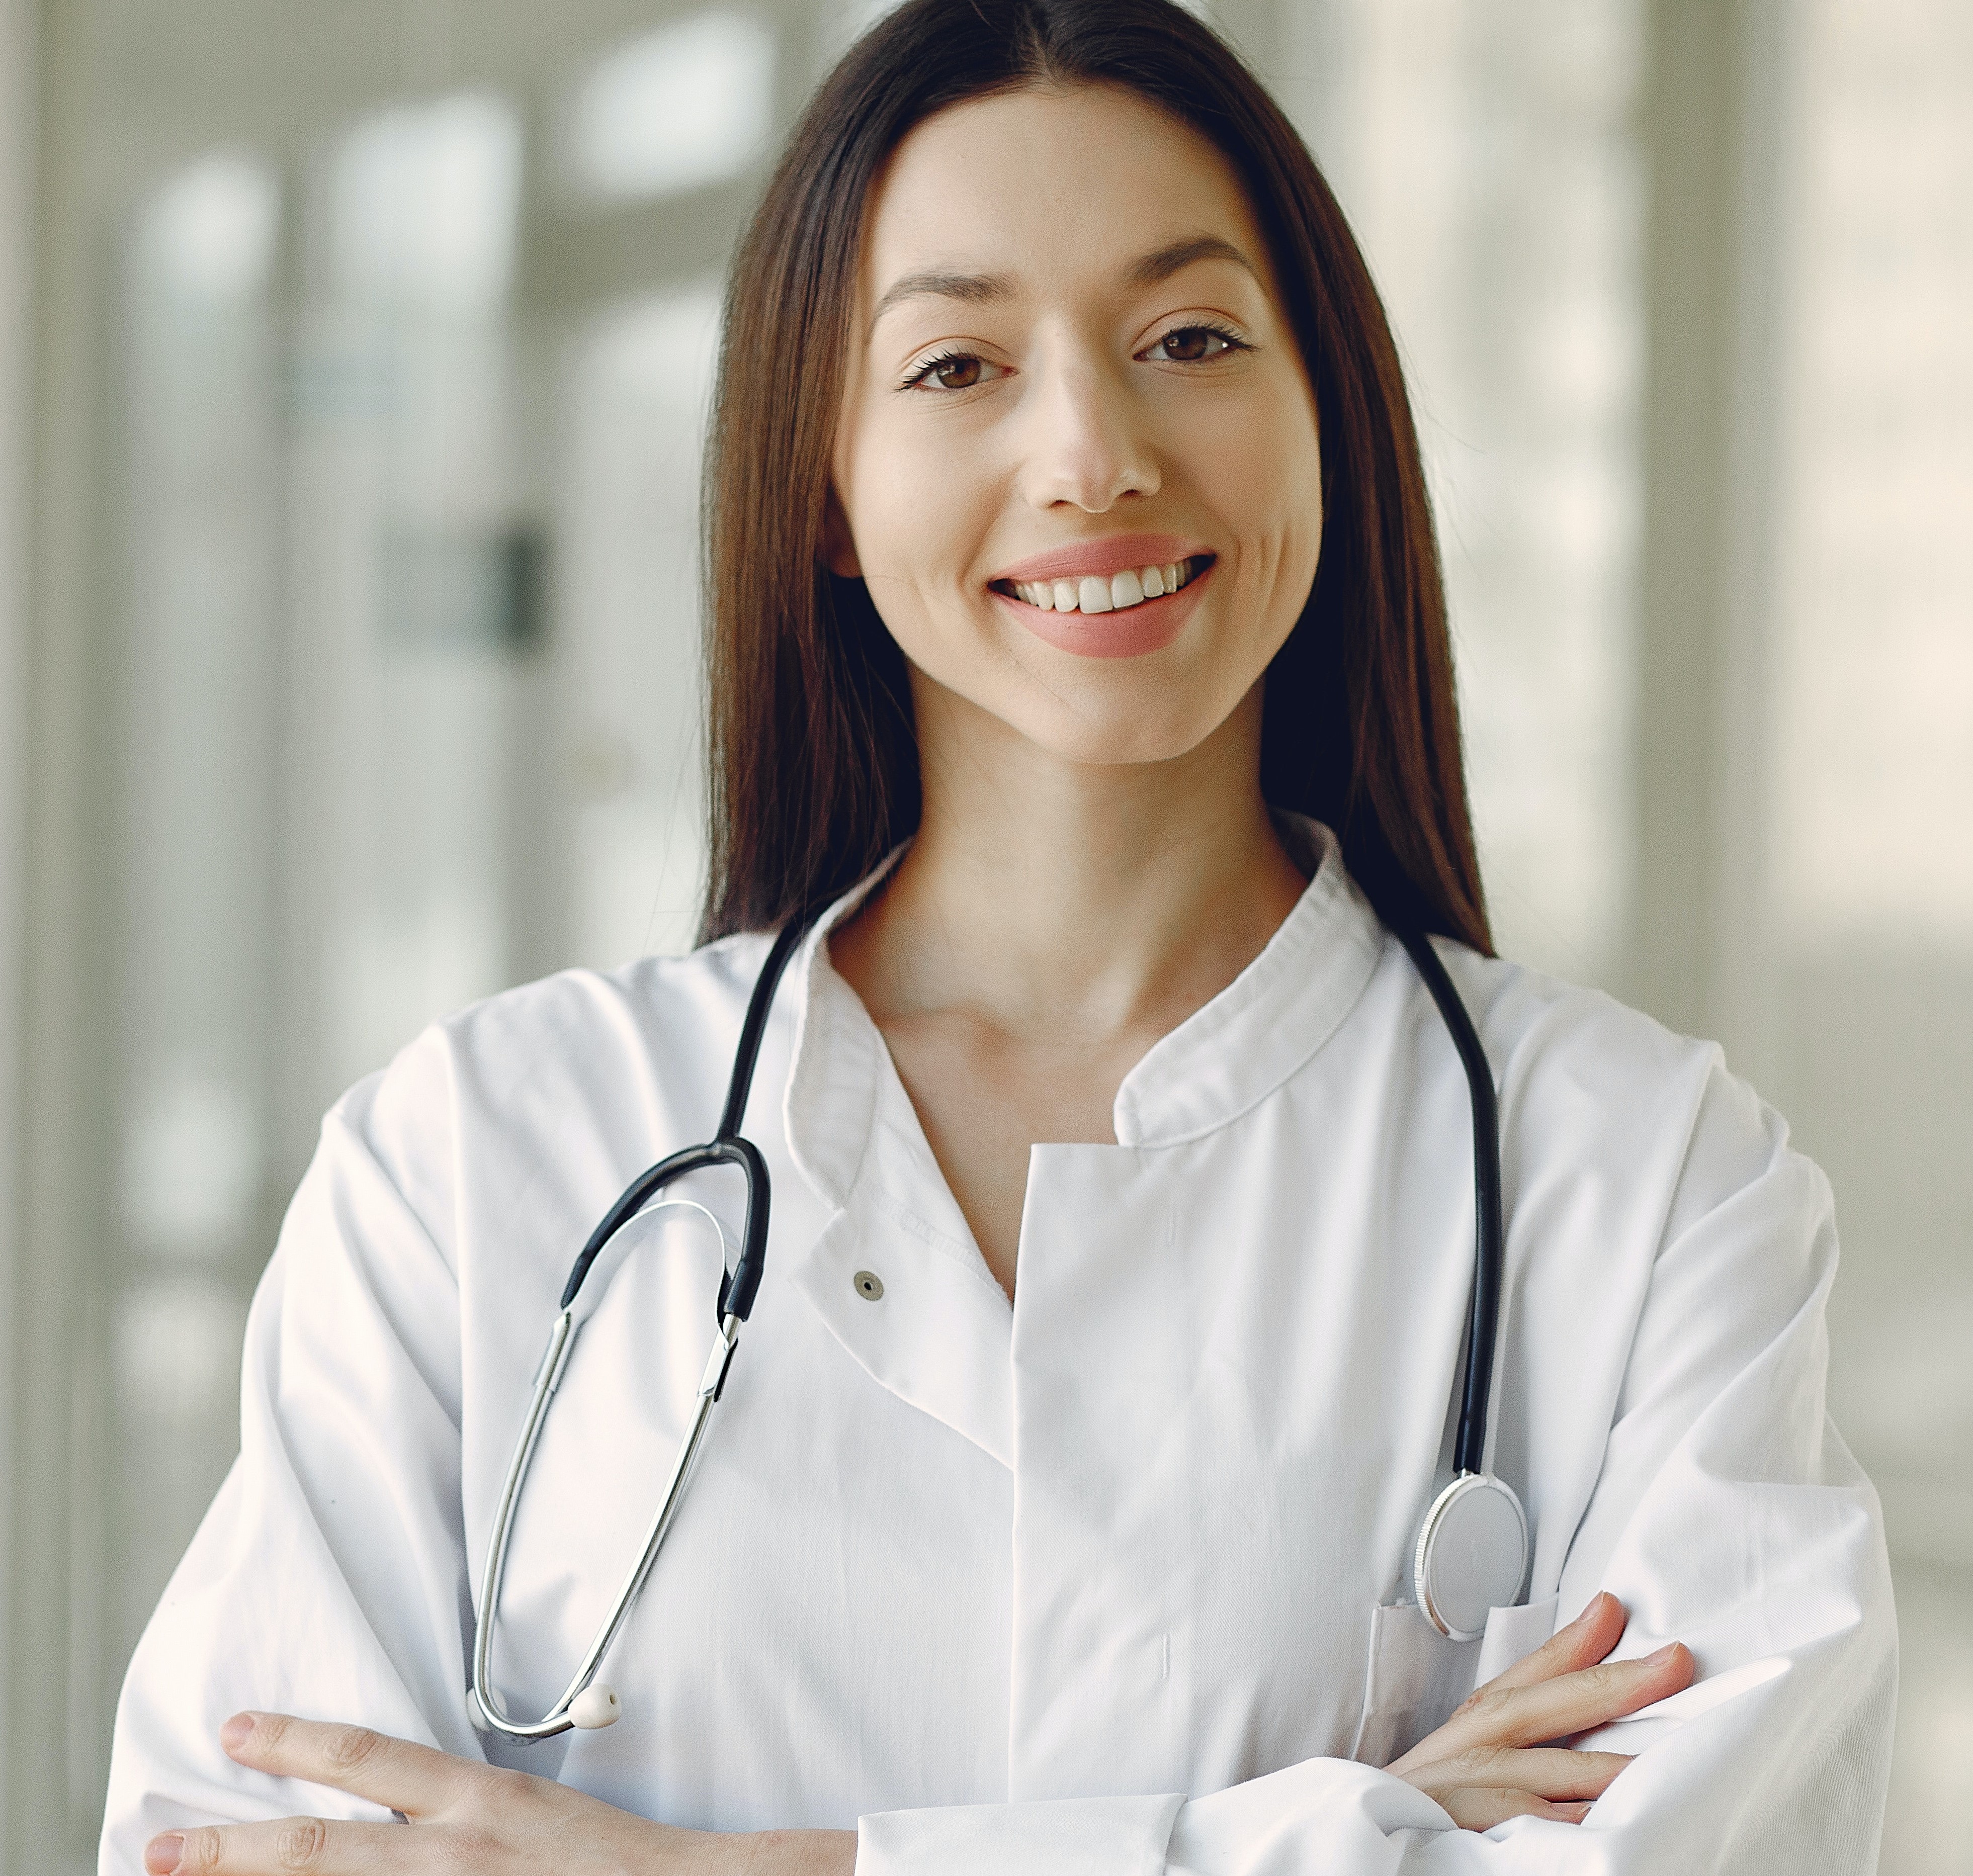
[487, 1709]
[583, 1704]
[737, 1290]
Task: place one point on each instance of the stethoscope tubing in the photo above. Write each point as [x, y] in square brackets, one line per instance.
[1469, 1451]
[739, 1287]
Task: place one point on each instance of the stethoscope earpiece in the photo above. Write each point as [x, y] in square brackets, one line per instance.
[596, 1707]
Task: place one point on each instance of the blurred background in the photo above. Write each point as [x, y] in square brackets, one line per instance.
[353, 360]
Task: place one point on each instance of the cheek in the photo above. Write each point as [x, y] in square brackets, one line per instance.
[1266, 481]
[919, 510]
[916, 507]
[1269, 492]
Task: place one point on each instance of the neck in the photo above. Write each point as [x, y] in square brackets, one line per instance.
[1062, 899]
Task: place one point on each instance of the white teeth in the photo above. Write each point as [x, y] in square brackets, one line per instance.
[1131, 587]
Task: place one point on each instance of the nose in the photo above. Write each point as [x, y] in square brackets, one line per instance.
[1086, 445]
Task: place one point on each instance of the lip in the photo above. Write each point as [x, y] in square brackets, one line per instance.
[1148, 626]
[1099, 559]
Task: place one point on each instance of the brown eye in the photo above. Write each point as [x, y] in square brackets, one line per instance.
[1193, 344]
[954, 371]
[955, 374]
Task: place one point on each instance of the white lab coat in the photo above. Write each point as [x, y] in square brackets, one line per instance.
[1114, 1579]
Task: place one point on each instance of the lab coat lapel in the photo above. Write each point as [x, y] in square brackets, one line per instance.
[934, 1326]
[937, 1333]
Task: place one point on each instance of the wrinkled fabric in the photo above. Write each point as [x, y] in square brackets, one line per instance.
[1114, 1579]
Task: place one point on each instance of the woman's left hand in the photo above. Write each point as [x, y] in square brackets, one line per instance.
[462, 1815]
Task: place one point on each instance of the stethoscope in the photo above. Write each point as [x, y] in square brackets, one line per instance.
[1472, 1550]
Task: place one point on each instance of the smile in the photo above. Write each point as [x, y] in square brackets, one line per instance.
[1096, 593]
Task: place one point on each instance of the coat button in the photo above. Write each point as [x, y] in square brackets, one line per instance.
[869, 1285]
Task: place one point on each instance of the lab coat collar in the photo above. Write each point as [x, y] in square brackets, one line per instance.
[942, 1338]
[1230, 1054]
[1223, 1059]
[1218, 1064]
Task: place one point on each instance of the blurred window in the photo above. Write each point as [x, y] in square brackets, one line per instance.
[207, 239]
[685, 106]
[1875, 652]
[1486, 157]
[412, 584]
[641, 379]
[199, 589]
[1870, 884]
[424, 202]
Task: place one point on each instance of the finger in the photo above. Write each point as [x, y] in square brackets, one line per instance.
[1552, 1773]
[1583, 1643]
[1481, 1807]
[288, 1846]
[418, 1780]
[1568, 1704]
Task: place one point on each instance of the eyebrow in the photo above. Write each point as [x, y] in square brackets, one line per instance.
[981, 289]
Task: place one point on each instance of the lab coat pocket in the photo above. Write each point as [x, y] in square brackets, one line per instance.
[1417, 1676]
[1512, 1635]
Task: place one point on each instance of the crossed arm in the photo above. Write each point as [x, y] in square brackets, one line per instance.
[1489, 1762]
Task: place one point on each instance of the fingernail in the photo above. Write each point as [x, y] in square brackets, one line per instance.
[161, 1853]
[1663, 1656]
[237, 1731]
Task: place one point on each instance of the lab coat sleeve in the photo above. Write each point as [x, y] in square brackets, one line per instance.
[1728, 1514]
[326, 1579]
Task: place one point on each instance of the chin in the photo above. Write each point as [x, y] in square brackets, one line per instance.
[1117, 733]
[1100, 713]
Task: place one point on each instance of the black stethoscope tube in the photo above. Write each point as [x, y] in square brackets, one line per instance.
[727, 1147]
[738, 1289]
[1469, 1449]
[1465, 1521]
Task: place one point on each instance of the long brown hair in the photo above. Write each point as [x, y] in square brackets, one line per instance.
[813, 758]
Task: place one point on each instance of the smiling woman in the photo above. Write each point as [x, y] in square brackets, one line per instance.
[1119, 353]
[1116, 1480]
[1215, 260]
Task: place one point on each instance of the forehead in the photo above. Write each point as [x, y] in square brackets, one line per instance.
[1092, 172]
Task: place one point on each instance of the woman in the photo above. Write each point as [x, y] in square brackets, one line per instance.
[1077, 643]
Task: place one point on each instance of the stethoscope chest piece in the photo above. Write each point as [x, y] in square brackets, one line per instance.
[1472, 1555]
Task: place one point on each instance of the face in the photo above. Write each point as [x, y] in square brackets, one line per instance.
[1077, 463]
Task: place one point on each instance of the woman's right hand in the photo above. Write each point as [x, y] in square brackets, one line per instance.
[1491, 1762]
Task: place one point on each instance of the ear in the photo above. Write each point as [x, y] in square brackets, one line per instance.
[838, 547]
